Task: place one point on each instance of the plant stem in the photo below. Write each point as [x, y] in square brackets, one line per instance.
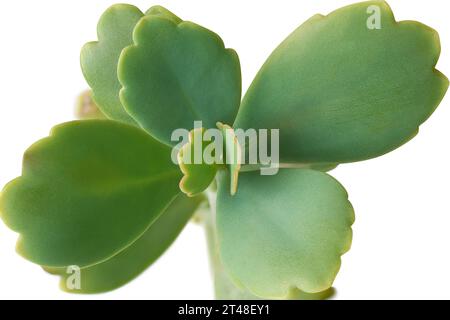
[224, 287]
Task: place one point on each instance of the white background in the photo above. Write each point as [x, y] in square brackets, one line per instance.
[402, 200]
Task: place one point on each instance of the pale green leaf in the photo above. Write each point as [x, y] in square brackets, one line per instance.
[99, 59]
[197, 176]
[284, 232]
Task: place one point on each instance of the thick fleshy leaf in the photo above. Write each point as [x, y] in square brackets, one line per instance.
[132, 261]
[88, 191]
[224, 287]
[177, 73]
[197, 176]
[163, 12]
[99, 59]
[341, 92]
[284, 231]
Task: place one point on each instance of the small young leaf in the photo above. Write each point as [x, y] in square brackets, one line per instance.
[132, 261]
[177, 73]
[292, 229]
[87, 192]
[233, 153]
[340, 91]
[197, 176]
[99, 59]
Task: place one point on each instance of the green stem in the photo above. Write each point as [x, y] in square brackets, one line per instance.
[224, 287]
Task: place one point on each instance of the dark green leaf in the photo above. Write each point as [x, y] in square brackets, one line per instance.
[88, 191]
[132, 261]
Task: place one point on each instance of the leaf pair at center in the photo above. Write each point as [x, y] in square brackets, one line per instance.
[205, 154]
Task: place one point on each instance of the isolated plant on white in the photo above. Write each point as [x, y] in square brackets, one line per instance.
[169, 139]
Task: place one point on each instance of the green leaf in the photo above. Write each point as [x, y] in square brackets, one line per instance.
[177, 73]
[99, 59]
[163, 12]
[341, 92]
[284, 231]
[87, 192]
[224, 287]
[197, 176]
[324, 167]
[132, 261]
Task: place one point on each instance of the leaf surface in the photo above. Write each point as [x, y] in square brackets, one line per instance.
[284, 232]
[197, 173]
[87, 192]
[99, 59]
[341, 92]
[132, 261]
[176, 73]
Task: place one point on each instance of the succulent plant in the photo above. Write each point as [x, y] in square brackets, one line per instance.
[103, 194]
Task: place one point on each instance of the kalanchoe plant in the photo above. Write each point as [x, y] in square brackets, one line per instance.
[104, 195]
